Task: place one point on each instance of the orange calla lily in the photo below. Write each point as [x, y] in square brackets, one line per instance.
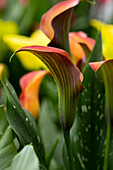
[76, 40]
[30, 84]
[48, 17]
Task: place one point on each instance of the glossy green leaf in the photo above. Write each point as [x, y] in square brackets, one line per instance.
[3, 120]
[51, 134]
[26, 159]
[22, 121]
[105, 68]
[88, 132]
[82, 11]
[67, 76]
[7, 147]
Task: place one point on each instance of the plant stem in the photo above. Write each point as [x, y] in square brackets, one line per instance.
[107, 147]
[69, 148]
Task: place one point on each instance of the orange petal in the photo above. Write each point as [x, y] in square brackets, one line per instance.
[82, 38]
[30, 84]
[76, 49]
[48, 17]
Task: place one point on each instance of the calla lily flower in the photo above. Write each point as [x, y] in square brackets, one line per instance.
[30, 84]
[39, 38]
[17, 41]
[105, 69]
[3, 68]
[77, 41]
[107, 37]
[52, 24]
[67, 76]
[7, 27]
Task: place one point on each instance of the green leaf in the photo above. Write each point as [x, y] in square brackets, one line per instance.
[105, 68]
[51, 153]
[7, 147]
[26, 159]
[51, 133]
[88, 132]
[22, 121]
[32, 14]
[82, 20]
[3, 120]
[67, 76]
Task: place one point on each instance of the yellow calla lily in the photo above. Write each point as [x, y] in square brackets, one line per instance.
[107, 37]
[3, 68]
[8, 27]
[17, 41]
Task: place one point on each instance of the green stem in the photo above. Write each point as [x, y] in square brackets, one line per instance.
[105, 167]
[69, 149]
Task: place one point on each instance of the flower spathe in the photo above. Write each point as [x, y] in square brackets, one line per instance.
[30, 84]
[39, 38]
[76, 40]
[48, 17]
[28, 61]
[3, 68]
[107, 37]
[67, 76]
[53, 23]
[7, 27]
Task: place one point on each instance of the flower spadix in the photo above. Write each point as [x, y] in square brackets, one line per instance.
[67, 76]
[105, 69]
[30, 84]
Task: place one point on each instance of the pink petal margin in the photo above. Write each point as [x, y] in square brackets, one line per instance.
[96, 65]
